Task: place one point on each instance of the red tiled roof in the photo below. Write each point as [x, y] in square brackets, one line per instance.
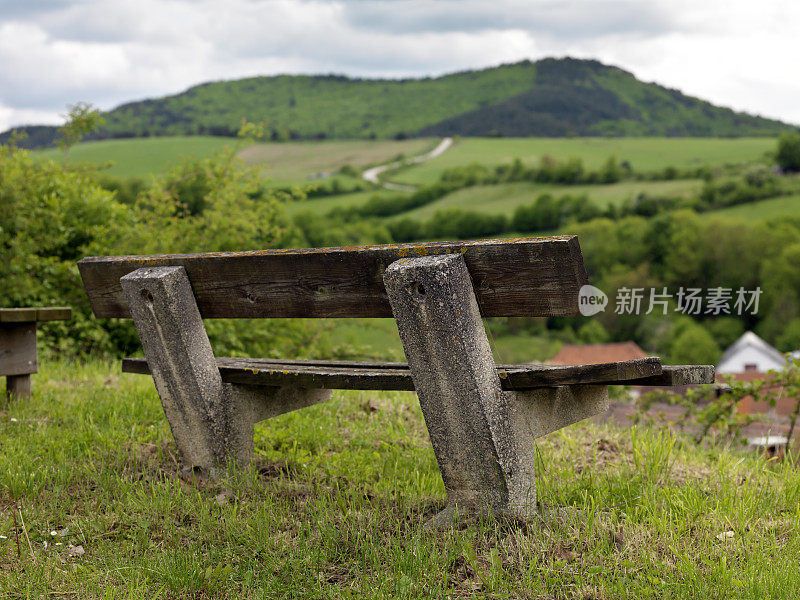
[747, 376]
[592, 354]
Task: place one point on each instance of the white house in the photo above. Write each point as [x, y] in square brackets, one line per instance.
[750, 353]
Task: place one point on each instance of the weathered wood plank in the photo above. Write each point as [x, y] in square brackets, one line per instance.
[397, 376]
[54, 313]
[30, 315]
[677, 375]
[17, 315]
[514, 277]
[18, 348]
[527, 376]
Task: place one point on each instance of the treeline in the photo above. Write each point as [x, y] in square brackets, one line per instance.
[547, 170]
[672, 249]
[546, 213]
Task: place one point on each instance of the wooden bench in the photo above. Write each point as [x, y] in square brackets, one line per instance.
[18, 356]
[482, 418]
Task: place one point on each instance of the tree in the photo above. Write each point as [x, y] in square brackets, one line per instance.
[788, 156]
[592, 332]
[611, 172]
[694, 346]
[789, 340]
[81, 120]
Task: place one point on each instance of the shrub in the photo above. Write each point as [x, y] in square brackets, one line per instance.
[788, 155]
[694, 346]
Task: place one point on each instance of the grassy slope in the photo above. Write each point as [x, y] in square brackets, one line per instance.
[378, 339]
[504, 198]
[553, 97]
[644, 154]
[293, 162]
[785, 206]
[550, 97]
[141, 157]
[323, 205]
[334, 106]
[336, 510]
[285, 163]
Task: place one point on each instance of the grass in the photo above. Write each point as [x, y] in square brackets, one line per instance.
[773, 208]
[505, 198]
[378, 339]
[643, 153]
[521, 348]
[294, 162]
[284, 163]
[324, 204]
[141, 157]
[336, 504]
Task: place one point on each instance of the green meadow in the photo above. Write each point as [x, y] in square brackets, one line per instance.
[284, 163]
[94, 506]
[643, 154]
[773, 208]
[504, 198]
[140, 157]
[295, 162]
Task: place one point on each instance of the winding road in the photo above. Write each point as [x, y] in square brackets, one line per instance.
[373, 175]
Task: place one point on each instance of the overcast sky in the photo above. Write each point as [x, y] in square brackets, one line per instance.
[738, 53]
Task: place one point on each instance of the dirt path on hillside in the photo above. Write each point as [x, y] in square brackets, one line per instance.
[373, 174]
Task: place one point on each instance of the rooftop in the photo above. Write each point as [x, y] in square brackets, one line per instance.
[591, 354]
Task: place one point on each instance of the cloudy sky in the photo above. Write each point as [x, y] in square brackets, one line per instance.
[738, 53]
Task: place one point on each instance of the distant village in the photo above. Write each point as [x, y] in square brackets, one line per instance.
[748, 359]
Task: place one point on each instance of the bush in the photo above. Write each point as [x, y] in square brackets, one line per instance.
[459, 224]
[51, 216]
[788, 155]
[694, 346]
[789, 340]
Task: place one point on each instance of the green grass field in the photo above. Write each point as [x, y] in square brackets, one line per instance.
[141, 157]
[504, 198]
[644, 154]
[378, 339]
[321, 206]
[785, 206]
[93, 507]
[294, 162]
[285, 163]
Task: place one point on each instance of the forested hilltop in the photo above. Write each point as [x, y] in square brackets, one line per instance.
[550, 98]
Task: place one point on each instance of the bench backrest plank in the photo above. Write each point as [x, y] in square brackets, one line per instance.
[512, 277]
[30, 315]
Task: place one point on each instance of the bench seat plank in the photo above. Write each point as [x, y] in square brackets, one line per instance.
[369, 375]
[523, 277]
[678, 375]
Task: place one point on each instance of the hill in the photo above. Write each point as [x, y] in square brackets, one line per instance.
[551, 98]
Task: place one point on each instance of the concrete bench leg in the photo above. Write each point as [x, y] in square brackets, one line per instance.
[211, 422]
[483, 443]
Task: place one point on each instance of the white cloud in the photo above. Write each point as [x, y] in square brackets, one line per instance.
[11, 117]
[52, 53]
